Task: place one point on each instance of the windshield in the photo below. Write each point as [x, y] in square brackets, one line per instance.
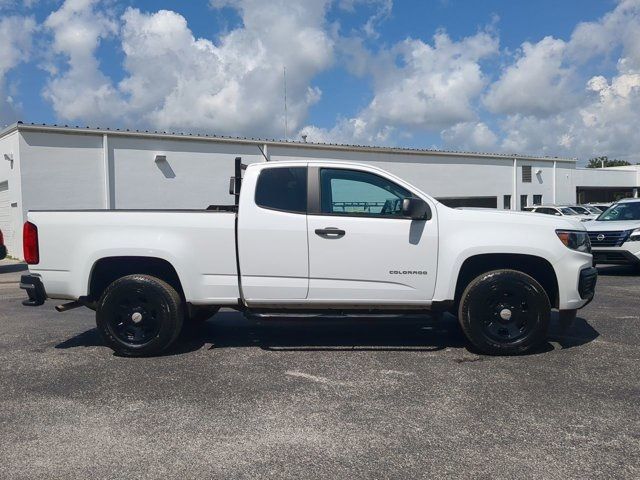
[580, 210]
[595, 210]
[621, 212]
[568, 211]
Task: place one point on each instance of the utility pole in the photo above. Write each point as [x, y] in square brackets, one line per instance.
[286, 126]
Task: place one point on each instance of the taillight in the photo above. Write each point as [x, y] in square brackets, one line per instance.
[1, 238]
[30, 244]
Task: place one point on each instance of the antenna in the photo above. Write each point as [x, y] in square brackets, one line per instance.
[286, 126]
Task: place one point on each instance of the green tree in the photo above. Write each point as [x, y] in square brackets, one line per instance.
[599, 162]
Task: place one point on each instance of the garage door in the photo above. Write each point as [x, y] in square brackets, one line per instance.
[5, 214]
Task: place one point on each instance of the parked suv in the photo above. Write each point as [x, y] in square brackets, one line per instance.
[584, 211]
[595, 209]
[559, 211]
[615, 235]
[601, 207]
[3, 249]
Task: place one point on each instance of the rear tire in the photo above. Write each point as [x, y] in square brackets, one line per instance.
[504, 312]
[139, 315]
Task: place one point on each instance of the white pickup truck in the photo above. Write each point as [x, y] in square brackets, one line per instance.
[308, 236]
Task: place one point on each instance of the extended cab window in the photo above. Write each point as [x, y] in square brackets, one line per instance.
[283, 188]
[350, 192]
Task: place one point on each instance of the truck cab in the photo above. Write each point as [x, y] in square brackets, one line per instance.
[319, 235]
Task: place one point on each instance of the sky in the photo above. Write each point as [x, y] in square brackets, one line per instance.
[556, 78]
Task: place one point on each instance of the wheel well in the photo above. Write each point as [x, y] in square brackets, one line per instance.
[107, 270]
[536, 267]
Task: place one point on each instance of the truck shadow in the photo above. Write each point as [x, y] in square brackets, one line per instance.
[578, 334]
[415, 334]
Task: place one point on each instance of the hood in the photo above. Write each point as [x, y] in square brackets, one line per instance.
[603, 226]
[516, 218]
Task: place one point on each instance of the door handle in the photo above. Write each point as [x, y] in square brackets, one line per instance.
[330, 232]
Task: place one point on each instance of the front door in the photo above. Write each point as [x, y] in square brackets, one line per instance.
[362, 250]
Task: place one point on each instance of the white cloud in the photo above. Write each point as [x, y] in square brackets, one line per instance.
[536, 84]
[606, 124]
[470, 136]
[417, 86]
[15, 47]
[436, 84]
[382, 11]
[81, 91]
[604, 119]
[352, 130]
[543, 102]
[235, 87]
[620, 27]
[174, 80]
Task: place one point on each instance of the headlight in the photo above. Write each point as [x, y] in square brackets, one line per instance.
[575, 240]
[635, 235]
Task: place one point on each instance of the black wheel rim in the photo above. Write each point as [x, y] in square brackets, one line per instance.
[135, 316]
[507, 312]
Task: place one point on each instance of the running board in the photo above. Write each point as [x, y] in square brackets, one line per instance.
[65, 307]
[338, 315]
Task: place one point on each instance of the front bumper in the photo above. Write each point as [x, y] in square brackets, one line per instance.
[32, 284]
[587, 283]
[569, 274]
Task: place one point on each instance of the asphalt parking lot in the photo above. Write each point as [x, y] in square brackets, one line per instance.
[397, 398]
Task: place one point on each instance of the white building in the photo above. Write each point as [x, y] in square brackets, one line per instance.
[57, 168]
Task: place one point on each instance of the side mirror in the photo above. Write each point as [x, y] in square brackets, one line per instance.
[416, 209]
[558, 214]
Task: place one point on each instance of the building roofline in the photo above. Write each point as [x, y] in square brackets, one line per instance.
[32, 127]
[622, 168]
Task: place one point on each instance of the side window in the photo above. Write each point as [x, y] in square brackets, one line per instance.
[282, 188]
[350, 192]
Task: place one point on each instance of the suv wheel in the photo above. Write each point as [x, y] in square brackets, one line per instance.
[504, 312]
[139, 315]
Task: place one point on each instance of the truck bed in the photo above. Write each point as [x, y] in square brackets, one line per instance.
[199, 244]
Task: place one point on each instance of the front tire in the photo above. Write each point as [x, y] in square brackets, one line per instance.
[504, 312]
[139, 315]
